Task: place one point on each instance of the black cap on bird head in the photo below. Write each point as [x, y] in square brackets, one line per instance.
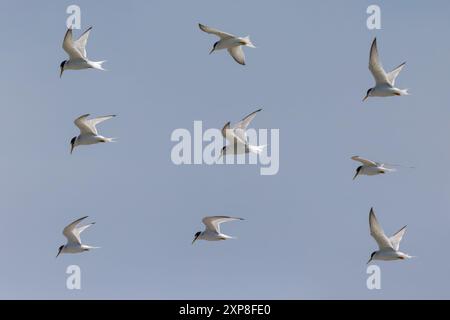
[72, 144]
[61, 67]
[197, 234]
[371, 257]
[357, 172]
[59, 250]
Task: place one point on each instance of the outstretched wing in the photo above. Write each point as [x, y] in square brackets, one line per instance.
[220, 34]
[71, 233]
[70, 48]
[391, 76]
[365, 162]
[397, 237]
[375, 65]
[238, 54]
[88, 126]
[240, 127]
[213, 223]
[377, 232]
[80, 44]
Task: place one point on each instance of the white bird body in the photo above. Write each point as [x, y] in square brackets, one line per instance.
[76, 49]
[79, 64]
[384, 82]
[237, 137]
[209, 235]
[72, 233]
[230, 42]
[212, 230]
[388, 248]
[88, 131]
[389, 255]
[370, 168]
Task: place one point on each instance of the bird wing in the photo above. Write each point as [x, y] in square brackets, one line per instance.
[377, 232]
[220, 34]
[365, 162]
[88, 126]
[71, 232]
[238, 54]
[375, 65]
[83, 124]
[391, 76]
[240, 127]
[228, 133]
[80, 44]
[397, 237]
[70, 47]
[95, 121]
[213, 223]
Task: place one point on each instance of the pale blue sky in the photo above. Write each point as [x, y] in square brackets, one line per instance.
[306, 229]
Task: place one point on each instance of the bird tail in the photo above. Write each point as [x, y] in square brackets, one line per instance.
[110, 139]
[90, 247]
[257, 149]
[98, 65]
[404, 92]
[249, 42]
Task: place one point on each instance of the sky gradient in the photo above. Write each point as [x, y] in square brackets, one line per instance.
[306, 233]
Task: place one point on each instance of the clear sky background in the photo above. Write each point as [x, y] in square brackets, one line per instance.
[306, 232]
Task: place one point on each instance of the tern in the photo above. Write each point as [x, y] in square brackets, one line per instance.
[212, 230]
[72, 233]
[88, 131]
[388, 247]
[77, 53]
[230, 42]
[385, 82]
[370, 168]
[237, 137]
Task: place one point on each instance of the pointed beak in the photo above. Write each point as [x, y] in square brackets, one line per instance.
[212, 50]
[58, 254]
[365, 98]
[356, 174]
[369, 261]
[61, 72]
[71, 148]
[194, 240]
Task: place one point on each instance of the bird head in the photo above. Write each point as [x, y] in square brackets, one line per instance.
[214, 47]
[367, 94]
[357, 172]
[61, 67]
[196, 236]
[222, 153]
[59, 250]
[72, 144]
[371, 257]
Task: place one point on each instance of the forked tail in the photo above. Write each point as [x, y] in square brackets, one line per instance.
[249, 42]
[404, 92]
[98, 65]
[257, 149]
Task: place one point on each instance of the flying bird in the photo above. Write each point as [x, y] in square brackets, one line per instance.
[72, 233]
[88, 131]
[76, 49]
[388, 247]
[230, 42]
[385, 82]
[238, 139]
[370, 168]
[212, 230]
